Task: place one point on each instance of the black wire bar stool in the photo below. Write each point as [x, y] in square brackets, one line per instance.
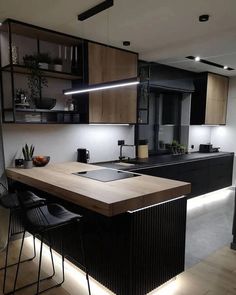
[10, 201]
[41, 222]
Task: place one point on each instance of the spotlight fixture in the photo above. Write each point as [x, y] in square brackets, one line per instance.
[204, 18]
[95, 10]
[210, 63]
[126, 43]
[103, 86]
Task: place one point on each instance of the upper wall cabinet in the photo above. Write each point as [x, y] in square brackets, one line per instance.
[107, 64]
[209, 101]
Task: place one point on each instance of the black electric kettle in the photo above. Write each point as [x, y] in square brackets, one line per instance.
[83, 155]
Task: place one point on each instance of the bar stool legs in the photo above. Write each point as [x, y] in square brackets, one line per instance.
[39, 270]
[85, 262]
[18, 267]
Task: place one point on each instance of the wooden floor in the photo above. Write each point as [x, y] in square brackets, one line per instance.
[214, 276]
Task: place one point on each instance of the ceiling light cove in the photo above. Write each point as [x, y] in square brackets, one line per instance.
[210, 63]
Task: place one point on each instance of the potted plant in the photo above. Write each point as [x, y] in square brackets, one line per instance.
[57, 62]
[36, 80]
[28, 153]
[44, 60]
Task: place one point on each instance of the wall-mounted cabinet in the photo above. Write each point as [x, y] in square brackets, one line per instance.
[107, 64]
[209, 101]
[53, 60]
[64, 62]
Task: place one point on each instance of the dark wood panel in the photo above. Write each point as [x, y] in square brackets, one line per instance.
[109, 64]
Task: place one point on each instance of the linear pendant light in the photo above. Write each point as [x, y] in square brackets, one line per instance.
[95, 10]
[103, 86]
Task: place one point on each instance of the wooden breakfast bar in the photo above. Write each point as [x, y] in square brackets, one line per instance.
[134, 227]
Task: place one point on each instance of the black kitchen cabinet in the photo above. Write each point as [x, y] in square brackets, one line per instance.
[205, 175]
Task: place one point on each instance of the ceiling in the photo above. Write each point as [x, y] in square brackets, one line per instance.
[164, 31]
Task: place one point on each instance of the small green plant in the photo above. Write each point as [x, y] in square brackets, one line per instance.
[57, 61]
[36, 80]
[28, 152]
[175, 143]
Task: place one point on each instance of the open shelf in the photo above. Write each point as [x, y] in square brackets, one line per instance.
[44, 111]
[20, 69]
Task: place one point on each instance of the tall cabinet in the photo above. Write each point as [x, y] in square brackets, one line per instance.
[107, 64]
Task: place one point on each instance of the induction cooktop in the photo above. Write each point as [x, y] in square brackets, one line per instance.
[105, 175]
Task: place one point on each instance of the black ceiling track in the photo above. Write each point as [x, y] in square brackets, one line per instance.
[210, 63]
[95, 10]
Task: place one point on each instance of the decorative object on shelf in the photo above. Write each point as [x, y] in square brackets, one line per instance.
[36, 81]
[66, 62]
[57, 64]
[21, 99]
[28, 153]
[15, 55]
[19, 163]
[41, 161]
[45, 103]
[74, 60]
[44, 60]
[70, 105]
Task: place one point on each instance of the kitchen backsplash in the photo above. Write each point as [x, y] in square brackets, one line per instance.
[61, 141]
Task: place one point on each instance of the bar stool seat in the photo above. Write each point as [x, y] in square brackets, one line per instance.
[50, 216]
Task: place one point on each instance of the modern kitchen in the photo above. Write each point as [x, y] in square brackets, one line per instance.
[118, 147]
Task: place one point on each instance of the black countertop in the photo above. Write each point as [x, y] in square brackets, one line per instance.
[163, 160]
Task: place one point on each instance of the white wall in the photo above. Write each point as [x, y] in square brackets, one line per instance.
[61, 141]
[198, 135]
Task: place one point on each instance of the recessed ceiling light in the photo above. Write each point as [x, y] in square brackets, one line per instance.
[208, 62]
[126, 43]
[204, 18]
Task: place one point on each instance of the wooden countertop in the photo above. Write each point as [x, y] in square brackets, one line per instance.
[107, 198]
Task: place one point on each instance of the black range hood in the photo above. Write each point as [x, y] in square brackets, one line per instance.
[170, 78]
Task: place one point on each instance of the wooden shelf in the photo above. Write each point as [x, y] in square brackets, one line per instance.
[20, 69]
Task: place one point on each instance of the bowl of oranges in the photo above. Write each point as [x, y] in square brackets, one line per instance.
[41, 161]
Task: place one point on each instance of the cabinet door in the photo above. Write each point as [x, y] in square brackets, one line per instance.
[216, 99]
[220, 175]
[114, 105]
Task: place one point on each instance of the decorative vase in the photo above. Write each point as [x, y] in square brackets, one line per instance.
[43, 65]
[58, 68]
[28, 164]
